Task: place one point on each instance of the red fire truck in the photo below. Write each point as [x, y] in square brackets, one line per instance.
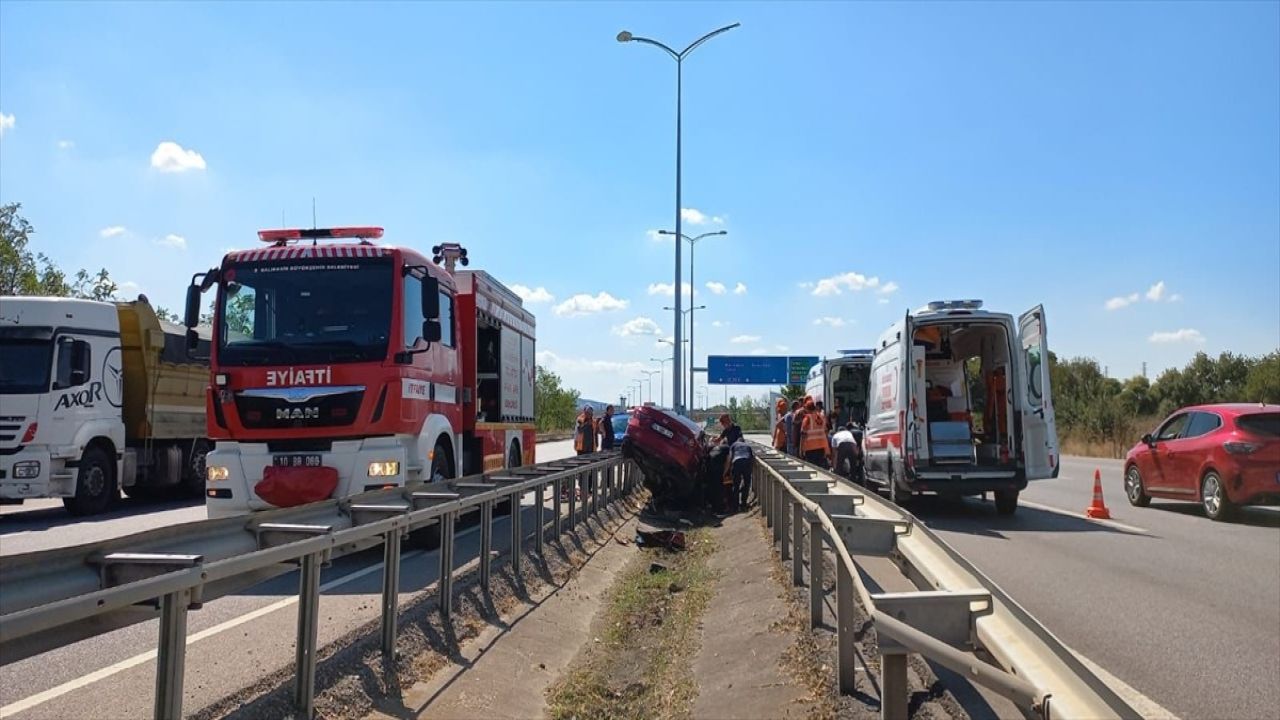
[339, 366]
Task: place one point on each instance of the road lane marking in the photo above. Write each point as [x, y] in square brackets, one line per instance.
[119, 667]
[1082, 516]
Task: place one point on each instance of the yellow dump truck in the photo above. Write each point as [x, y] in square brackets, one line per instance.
[98, 398]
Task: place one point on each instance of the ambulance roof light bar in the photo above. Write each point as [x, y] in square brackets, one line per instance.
[955, 305]
[283, 236]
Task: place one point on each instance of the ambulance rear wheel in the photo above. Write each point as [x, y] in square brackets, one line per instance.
[1006, 502]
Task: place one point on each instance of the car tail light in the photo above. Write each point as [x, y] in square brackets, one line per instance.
[1236, 447]
[30, 434]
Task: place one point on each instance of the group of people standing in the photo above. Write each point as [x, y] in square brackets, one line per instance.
[804, 430]
[589, 427]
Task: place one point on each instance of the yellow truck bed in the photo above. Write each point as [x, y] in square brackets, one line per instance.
[164, 390]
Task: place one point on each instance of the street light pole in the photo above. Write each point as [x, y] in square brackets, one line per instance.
[648, 375]
[693, 243]
[679, 57]
[662, 382]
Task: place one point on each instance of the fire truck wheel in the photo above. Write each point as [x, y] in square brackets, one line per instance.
[95, 484]
[513, 461]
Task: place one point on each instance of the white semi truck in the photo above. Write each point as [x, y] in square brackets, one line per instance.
[97, 398]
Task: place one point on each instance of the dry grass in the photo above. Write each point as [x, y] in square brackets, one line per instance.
[640, 662]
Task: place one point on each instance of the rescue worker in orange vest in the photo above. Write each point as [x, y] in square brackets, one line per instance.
[813, 437]
[797, 425]
[584, 438]
[780, 427]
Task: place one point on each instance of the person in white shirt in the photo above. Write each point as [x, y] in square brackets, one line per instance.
[848, 454]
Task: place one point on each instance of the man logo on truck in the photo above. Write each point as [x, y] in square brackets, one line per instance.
[305, 413]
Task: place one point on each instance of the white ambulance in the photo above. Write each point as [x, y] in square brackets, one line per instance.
[959, 404]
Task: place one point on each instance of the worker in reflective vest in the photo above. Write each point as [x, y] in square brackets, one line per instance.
[780, 426]
[584, 439]
[813, 437]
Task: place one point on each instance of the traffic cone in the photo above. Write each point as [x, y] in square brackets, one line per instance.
[1097, 509]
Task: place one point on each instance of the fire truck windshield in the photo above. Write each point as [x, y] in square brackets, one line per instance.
[312, 311]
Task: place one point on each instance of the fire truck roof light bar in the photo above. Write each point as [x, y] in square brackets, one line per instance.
[284, 235]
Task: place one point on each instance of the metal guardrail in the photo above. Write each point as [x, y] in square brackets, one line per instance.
[56, 597]
[956, 611]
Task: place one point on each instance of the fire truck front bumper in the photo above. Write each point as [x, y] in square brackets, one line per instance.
[235, 470]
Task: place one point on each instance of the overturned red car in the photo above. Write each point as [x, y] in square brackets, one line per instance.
[670, 449]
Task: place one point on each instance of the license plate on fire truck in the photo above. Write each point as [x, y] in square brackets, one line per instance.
[295, 460]
[662, 431]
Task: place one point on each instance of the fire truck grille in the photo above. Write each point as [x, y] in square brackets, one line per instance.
[330, 410]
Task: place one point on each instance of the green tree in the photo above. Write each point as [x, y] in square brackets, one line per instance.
[1263, 381]
[24, 273]
[791, 392]
[556, 406]
[165, 313]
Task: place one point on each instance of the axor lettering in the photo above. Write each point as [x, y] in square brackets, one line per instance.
[298, 376]
[80, 398]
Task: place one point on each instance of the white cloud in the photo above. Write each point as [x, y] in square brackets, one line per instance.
[740, 289]
[584, 365]
[744, 339]
[637, 326]
[656, 236]
[128, 289]
[173, 241]
[113, 231]
[1178, 336]
[1175, 297]
[719, 323]
[583, 304]
[66, 144]
[535, 295]
[888, 288]
[6, 122]
[758, 351]
[668, 289]
[781, 348]
[804, 285]
[171, 157]
[883, 301]
[851, 281]
[1121, 301]
[1156, 292]
[716, 288]
[834, 322]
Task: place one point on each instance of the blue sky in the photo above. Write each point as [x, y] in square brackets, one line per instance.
[1076, 155]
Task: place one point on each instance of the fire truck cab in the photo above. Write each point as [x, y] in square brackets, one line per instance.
[339, 366]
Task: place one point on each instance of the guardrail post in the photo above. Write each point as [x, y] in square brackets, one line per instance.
[304, 690]
[445, 584]
[558, 521]
[779, 498]
[846, 652]
[893, 686]
[784, 510]
[573, 502]
[516, 536]
[597, 478]
[766, 497]
[390, 590]
[539, 501]
[816, 591]
[486, 543]
[797, 544]
[171, 656]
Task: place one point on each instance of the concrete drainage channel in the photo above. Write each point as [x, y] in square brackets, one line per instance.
[57, 597]
[939, 605]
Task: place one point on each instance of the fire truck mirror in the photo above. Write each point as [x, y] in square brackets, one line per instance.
[431, 331]
[192, 315]
[431, 301]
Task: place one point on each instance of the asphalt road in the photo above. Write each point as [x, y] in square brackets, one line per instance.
[232, 642]
[1184, 609]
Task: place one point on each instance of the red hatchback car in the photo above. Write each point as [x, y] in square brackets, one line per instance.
[1222, 456]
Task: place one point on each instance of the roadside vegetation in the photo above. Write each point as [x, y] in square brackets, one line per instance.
[639, 664]
[1103, 417]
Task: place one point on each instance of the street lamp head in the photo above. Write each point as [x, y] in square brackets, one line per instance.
[722, 232]
[624, 36]
[665, 232]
